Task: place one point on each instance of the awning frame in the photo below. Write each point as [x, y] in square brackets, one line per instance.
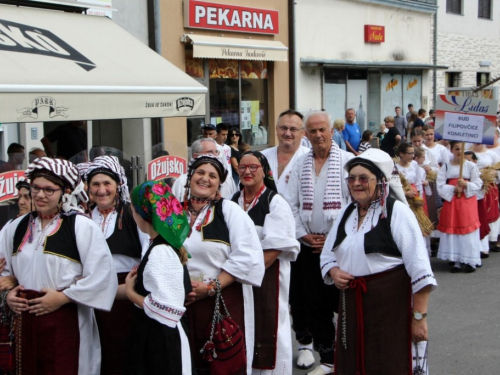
[368, 64]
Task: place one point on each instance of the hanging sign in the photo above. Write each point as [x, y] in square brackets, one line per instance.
[8, 181]
[166, 167]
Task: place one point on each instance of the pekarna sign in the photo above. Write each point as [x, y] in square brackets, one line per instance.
[374, 34]
[205, 15]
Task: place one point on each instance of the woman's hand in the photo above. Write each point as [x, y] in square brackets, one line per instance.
[427, 168]
[419, 330]
[3, 263]
[462, 183]
[17, 304]
[457, 189]
[340, 278]
[51, 301]
[200, 291]
[7, 282]
[410, 193]
[316, 241]
[130, 281]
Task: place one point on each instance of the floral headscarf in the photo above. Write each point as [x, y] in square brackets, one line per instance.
[155, 203]
[268, 173]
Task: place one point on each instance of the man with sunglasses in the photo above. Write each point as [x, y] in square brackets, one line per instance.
[201, 147]
[281, 158]
[316, 193]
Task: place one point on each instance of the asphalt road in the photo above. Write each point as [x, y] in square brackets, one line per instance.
[464, 321]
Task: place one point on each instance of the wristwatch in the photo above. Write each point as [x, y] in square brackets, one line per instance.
[417, 315]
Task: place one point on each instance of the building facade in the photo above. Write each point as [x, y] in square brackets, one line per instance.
[370, 55]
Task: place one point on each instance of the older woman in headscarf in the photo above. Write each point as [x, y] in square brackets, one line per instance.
[275, 226]
[157, 342]
[376, 256]
[107, 186]
[226, 251]
[65, 271]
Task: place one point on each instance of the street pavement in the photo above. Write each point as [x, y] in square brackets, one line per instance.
[464, 321]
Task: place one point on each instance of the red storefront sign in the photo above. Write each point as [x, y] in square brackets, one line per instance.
[374, 34]
[205, 15]
[8, 181]
[166, 166]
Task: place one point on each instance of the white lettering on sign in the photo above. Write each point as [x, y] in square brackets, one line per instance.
[461, 127]
[232, 18]
[166, 167]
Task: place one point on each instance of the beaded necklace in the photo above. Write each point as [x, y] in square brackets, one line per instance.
[194, 199]
[196, 213]
[248, 204]
[106, 211]
[47, 217]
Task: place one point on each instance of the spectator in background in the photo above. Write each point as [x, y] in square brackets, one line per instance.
[392, 138]
[351, 133]
[381, 134]
[400, 122]
[338, 128]
[96, 151]
[16, 156]
[234, 141]
[431, 120]
[365, 141]
[411, 121]
[70, 139]
[36, 153]
[419, 121]
[410, 111]
[221, 138]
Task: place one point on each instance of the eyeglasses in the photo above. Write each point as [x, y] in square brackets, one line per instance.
[293, 130]
[252, 167]
[363, 180]
[235, 135]
[211, 152]
[47, 191]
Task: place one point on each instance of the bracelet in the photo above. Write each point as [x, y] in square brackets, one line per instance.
[210, 289]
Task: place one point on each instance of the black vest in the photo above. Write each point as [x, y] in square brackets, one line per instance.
[125, 241]
[261, 209]
[379, 239]
[216, 230]
[62, 243]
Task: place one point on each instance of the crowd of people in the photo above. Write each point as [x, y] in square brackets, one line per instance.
[323, 236]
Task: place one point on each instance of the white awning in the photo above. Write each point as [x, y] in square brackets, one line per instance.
[57, 66]
[236, 49]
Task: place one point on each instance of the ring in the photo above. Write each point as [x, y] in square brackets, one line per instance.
[338, 284]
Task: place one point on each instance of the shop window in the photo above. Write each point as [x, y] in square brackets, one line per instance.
[453, 79]
[237, 96]
[482, 78]
[484, 9]
[454, 6]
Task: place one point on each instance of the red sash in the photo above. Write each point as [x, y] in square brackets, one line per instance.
[460, 216]
[491, 204]
[47, 344]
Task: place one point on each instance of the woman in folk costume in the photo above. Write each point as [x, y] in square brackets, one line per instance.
[376, 256]
[157, 343]
[65, 271]
[107, 187]
[459, 219]
[275, 225]
[224, 246]
[441, 154]
[488, 203]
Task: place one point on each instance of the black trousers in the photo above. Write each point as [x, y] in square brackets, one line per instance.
[312, 304]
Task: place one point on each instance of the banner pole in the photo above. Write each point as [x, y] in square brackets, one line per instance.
[462, 156]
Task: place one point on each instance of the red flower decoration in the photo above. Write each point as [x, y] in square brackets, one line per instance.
[164, 209]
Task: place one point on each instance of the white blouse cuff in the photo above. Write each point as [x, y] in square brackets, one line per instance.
[163, 313]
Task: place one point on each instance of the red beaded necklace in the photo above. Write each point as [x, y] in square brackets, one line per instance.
[47, 217]
[106, 210]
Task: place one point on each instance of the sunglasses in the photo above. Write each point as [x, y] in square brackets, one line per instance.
[235, 135]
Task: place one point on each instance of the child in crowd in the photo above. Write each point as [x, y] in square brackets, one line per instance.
[459, 220]
[365, 141]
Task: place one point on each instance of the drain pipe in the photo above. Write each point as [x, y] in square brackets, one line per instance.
[434, 83]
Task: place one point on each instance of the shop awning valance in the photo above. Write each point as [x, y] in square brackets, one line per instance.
[57, 66]
[236, 48]
[406, 65]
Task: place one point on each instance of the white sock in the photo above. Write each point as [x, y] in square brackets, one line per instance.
[305, 346]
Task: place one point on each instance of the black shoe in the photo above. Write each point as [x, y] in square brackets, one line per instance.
[433, 253]
[484, 255]
[456, 269]
[495, 249]
[451, 263]
[479, 265]
[469, 269]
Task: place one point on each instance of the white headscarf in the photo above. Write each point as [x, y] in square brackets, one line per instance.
[110, 165]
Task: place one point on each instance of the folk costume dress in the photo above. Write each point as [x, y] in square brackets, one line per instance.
[459, 220]
[223, 237]
[275, 226]
[125, 242]
[71, 255]
[272, 157]
[390, 256]
[158, 343]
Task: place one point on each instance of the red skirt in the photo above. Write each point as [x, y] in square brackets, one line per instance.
[460, 216]
[47, 344]
[491, 204]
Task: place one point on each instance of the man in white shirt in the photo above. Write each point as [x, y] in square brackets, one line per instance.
[281, 158]
[201, 147]
[220, 138]
[316, 193]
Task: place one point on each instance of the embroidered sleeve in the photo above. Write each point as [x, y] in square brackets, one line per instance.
[445, 191]
[475, 182]
[410, 242]
[163, 278]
